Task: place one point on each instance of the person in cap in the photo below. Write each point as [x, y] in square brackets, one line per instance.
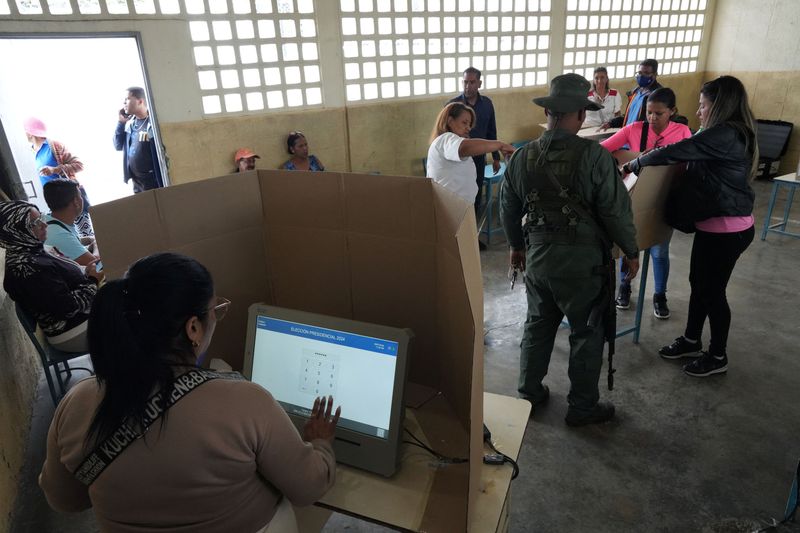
[245, 159]
[54, 161]
[576, 207]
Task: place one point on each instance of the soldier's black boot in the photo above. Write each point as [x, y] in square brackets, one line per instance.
[601, 412]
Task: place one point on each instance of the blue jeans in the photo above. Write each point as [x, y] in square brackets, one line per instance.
[659, 253]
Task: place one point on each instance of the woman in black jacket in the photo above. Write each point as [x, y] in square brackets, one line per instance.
[721, 158]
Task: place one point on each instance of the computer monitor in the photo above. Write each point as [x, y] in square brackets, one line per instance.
[298, 356]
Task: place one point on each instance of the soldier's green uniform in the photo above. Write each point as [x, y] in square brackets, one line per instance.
[566, 263]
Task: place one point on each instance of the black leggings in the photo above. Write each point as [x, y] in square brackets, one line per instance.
[713, 258]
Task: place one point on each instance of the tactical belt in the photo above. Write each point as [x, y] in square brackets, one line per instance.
[125, 435]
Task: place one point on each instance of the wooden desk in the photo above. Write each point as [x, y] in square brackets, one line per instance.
[592, 132]
[400, 501]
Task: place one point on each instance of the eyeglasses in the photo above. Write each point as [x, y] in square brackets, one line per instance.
[221, 308]
[36, 223]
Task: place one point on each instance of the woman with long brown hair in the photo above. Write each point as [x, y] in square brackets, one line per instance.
[722, 158]
[451, 150]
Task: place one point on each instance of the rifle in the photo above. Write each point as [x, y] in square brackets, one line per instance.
[605, 309]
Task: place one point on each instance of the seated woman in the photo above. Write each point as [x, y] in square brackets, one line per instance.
[451, 150]
[297, 146]
[604, 96]
[658, 131]
[53, 290]
[222, 456]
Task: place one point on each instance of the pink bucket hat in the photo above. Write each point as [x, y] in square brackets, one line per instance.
[35, 127]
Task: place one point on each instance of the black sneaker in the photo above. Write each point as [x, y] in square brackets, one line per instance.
[602, 412]
[623, 300]
[706, 366]
[681, 348]
[660, 308]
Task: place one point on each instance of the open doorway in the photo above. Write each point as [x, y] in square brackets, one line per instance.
[76, 86]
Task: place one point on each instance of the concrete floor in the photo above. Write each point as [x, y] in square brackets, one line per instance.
[684, 454]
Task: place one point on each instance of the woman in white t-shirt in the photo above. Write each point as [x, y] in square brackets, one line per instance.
[451, 151]
[604, 96]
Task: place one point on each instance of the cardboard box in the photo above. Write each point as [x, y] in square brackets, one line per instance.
[400, 251]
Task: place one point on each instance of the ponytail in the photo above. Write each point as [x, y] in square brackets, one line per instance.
[136, 334]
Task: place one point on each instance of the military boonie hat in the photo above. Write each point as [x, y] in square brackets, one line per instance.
[568, 93]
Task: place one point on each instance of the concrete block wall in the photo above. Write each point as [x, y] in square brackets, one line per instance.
[756, 41]
[389, 137]
[19, 377]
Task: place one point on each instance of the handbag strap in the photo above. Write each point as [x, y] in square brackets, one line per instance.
[118, 441]
[643, 140]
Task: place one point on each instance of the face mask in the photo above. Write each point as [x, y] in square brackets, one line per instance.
[644, 81]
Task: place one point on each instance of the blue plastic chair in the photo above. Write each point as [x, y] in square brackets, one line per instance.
[51, 358]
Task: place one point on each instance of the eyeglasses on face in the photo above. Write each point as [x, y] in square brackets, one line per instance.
[36, 223]
[221, 308]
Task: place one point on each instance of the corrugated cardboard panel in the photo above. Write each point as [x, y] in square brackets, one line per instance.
[128, 229]
[303, 199]
[393, 206]
[214, 207]
[394, 283]
[309, 269]
[447, 508]
[647, 202]
[236, 262]
[471, 267]
[451, 210]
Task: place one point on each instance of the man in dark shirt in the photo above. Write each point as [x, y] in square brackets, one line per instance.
[484, 127]
[134, 137]
[646, 83]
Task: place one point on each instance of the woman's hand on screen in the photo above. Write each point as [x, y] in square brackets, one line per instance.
[322, 425]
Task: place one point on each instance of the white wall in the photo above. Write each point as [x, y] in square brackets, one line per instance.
[167, 53]
[755, 35]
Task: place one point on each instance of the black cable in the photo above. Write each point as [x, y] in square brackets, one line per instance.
[506, 459]
[440, 457]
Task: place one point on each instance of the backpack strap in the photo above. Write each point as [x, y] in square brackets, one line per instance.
[56, 222]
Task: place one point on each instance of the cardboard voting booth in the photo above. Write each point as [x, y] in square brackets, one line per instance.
[648, 194]
[399, 251]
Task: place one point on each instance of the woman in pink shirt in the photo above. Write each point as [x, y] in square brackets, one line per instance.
[658, 131]
[721, 159]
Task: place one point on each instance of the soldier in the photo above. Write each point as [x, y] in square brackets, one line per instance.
[576, 207]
